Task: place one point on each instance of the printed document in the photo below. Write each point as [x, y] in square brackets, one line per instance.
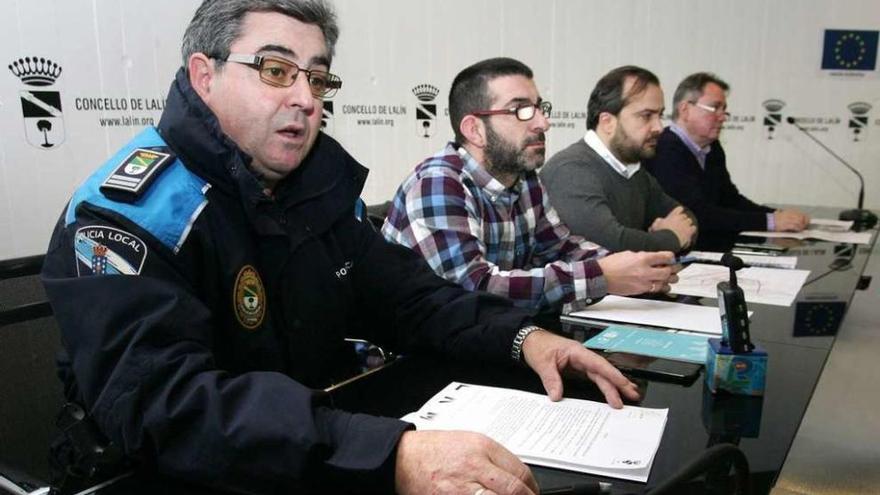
[822, 229]
[760, 285]
[677, 346]
[663, 314]
[764, 261]
[574, 434]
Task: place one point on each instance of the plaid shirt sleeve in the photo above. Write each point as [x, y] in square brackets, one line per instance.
[557, 245]
[439, 218]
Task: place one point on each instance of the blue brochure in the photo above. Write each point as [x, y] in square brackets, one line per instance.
[655, 343]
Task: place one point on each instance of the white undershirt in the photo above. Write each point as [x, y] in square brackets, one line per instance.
[593, 141]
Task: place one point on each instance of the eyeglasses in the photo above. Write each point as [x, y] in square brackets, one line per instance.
[282, 73]
[719, 110]
[522, 112]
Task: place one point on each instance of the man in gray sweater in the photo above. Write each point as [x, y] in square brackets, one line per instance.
[597, 184]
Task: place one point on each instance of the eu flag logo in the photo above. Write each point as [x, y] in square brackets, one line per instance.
[846, 49]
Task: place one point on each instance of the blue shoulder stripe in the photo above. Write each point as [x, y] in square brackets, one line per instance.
[166, 210]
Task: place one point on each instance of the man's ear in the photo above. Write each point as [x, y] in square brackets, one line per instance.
[473, 129]
[683, 108]
[201, 74]
[607, 124]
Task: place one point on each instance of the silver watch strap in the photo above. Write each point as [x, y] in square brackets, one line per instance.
[516, 349]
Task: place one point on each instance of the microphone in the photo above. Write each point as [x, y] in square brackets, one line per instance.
[861, 218]
[732, 309]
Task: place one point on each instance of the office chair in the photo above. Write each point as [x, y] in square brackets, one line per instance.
[31, 393]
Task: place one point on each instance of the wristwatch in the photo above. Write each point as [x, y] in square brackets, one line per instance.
[516, 350]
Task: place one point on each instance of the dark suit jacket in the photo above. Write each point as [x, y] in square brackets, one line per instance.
[709, 193]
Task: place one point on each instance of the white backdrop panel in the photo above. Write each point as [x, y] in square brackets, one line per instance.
[118, 59]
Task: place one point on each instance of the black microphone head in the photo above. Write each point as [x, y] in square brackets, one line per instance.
[790, 120]
[731, 261]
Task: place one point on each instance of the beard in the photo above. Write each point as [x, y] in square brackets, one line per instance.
[627, 150]
[506, 158]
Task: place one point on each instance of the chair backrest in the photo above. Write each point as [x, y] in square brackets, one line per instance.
[30, 393]
[377, 213]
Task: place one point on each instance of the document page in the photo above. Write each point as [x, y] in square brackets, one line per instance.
[676, 346]
[663, 314]
[788, 262]
[574, 434]
[759, 285]
[822, 229]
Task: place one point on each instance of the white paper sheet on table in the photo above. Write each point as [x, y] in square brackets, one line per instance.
[575, 434]
[760, 285]
[788, 262]
[664, 314]
[823, 229]
[830, 225]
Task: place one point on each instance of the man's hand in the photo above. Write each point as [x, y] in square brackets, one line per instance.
[548, 354]
[627, 273]
[459, 462]
[790, 220]
[679, 223]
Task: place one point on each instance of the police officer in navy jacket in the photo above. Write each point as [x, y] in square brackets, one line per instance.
[205, 276]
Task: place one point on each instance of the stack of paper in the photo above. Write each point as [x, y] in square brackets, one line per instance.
[761, 260]
[579, 435]
[664, 314]
[823, 230]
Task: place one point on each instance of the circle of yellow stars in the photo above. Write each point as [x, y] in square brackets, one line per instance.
[838, 50]
[821, 319]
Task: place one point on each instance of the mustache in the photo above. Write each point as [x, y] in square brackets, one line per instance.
[540, 138]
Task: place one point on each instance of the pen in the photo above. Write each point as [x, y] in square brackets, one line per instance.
[588, 488]
[680, 260]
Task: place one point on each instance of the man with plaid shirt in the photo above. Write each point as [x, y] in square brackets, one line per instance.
[478, 214]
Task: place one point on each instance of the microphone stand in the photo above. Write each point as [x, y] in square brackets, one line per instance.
[862, 219]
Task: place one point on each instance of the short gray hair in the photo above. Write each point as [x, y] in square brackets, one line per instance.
[217, 23]
[691, 89]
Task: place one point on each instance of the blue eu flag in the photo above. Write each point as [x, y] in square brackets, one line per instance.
[846, 49]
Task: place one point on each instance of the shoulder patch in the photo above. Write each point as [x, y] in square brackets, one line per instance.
[101, 250]
[166, 206]
[136, 173]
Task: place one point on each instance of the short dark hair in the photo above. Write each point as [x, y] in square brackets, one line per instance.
[608, 95]
[469, 91]
[691, 89]
[217, 23]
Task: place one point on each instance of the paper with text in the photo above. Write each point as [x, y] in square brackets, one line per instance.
[788, 262]
[822, 229]
[759, 285]
[579, 435]
[663, 314]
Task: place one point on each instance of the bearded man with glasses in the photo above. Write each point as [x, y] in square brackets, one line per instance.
[478, 214]
[691, 165]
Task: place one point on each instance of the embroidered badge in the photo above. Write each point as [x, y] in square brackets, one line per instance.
[108, 251]
[135, 174]
[249, 298]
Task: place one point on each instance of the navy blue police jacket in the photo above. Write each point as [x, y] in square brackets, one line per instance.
[200, 316]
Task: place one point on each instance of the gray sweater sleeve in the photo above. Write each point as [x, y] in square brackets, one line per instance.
[660, 204]
[578, 195]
